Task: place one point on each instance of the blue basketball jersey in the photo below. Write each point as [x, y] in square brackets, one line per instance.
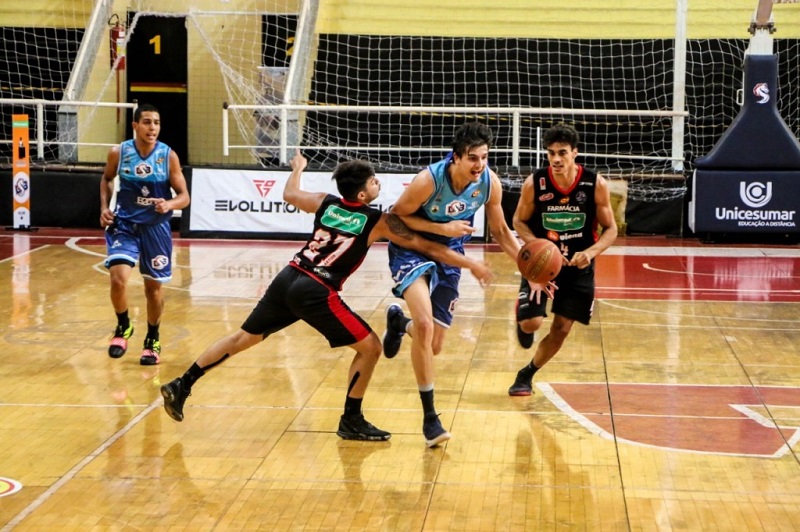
[445, 204]
[142, 179]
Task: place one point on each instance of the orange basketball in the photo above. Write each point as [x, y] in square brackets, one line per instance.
[539, 261]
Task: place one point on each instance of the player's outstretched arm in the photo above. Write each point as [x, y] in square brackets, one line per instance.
[392, 228]
[412, 198]
[293, 194]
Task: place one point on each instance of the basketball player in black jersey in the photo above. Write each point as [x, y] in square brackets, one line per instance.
[567, 204]
[307, 288]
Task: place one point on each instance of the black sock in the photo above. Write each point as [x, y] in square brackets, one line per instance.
[192, 374]
[352, 406]
[152, 331]
[123, 320]
[427, 402]
[528, 371]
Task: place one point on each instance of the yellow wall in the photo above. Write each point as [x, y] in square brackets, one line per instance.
[568, 19]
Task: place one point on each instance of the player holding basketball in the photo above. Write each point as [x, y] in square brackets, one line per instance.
[307, 289]
[138, 229]
[441, 201]
[565, 203]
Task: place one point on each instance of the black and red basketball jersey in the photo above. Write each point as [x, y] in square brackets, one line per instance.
[568, 217]
[340, 240]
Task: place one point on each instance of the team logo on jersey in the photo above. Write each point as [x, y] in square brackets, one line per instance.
[455, 207]
[264, 186]
[143, 169]
[343, 220]
[552, 235]
[542, 183]
[546, 197]
[434, 209]
[564, 200]
[563, 221]
[476, 193]
[580, 196]
[761, 91]
[159, 262]
[159, 160]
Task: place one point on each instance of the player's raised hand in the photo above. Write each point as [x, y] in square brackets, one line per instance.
[298, 162]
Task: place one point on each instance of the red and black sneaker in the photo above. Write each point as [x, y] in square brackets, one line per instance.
[119, 342]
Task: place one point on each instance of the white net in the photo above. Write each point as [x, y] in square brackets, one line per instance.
[38, 45]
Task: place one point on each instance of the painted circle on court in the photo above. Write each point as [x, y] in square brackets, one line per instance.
[9, 486]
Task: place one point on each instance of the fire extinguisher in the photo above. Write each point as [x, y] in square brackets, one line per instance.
[116, 42]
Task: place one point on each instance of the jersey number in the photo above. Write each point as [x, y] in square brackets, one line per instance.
[322, 239]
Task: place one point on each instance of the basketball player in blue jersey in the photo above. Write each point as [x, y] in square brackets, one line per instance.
[307, 288]
[138, 230]
[567, 204]
[441, 202]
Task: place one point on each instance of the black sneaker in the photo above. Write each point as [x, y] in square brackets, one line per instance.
[524, 339]
[393, 337]
[523, 385]
[175, 394]
[119, 342]
[358, 428]
[433, 431]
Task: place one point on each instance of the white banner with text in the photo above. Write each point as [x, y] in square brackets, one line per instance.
[251, 201]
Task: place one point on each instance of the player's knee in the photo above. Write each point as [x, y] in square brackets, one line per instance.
[241, 340]
[531, 325]
[560, 330]
[152, 290]
[371, 348]
[423, 329]
[118, 283]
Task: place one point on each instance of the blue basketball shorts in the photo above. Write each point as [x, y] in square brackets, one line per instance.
[149, 245]
[407, 266]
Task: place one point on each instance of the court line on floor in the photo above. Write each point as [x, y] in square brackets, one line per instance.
[58, 484]
[28, 252]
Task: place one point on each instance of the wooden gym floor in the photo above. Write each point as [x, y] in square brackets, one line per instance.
[678, 408]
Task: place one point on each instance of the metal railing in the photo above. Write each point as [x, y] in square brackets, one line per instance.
[39, 119]
[288, 120]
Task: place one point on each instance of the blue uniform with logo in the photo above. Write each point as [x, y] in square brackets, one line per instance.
[139, 233]
[443, 205]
